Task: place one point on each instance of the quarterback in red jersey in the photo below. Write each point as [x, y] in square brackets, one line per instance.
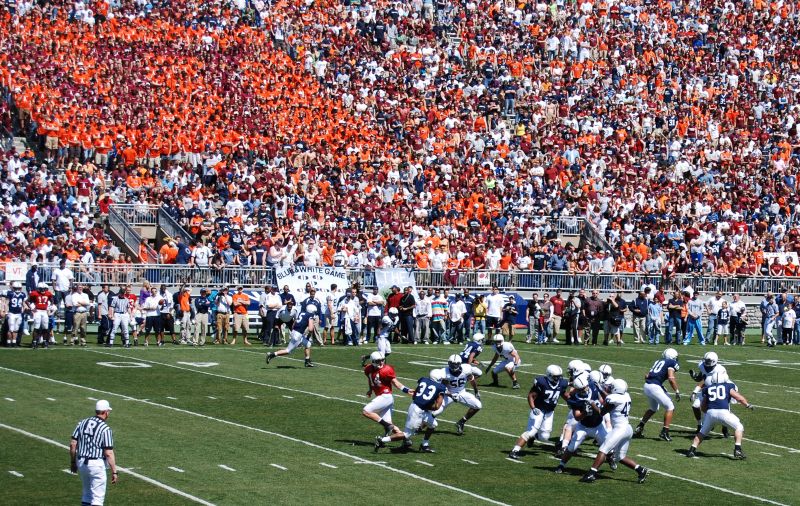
[381, 378]
[39, 300]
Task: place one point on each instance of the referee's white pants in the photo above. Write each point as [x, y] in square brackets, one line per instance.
[93, 476]
[121, 322]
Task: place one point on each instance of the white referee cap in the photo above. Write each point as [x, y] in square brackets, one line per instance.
[102, 405]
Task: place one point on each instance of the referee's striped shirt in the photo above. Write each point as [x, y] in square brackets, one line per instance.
[93, 436]
[120, 304]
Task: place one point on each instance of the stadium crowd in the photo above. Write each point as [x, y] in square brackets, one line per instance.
[432, 133]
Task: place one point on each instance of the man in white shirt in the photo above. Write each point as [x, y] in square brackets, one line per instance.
[494, 311]
[423, 316]
[62, 279]
[269, 304]
[201, 256]
[375, 305]
[224, 302]
[104, 329]
[350, 309]
[713, 305]
[312, 257]
[80, 303]
[457, 311]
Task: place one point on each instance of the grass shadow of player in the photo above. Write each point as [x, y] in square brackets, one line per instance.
[683, 452]
[569, 471]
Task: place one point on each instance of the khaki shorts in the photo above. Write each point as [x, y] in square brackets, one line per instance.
[51, 142]
[241, 323]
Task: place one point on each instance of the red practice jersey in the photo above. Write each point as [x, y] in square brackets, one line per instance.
[380, 378]
[40, 300]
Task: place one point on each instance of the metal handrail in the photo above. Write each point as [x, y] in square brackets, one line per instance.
[128, 235]
[171, 227]
[137, 214]
[542, 281]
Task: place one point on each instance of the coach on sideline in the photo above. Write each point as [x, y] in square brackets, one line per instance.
[90, 449]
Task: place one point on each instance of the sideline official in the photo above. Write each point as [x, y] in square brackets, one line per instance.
[91, 449]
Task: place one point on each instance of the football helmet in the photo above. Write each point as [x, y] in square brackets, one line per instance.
[454, 364]
[620, 386]
[605, 370]
[718, 377]
[670, 353]
[393, 311]
[438, 375]
[376, 357]
[311, 309]
[16, 285]
[499, 340]
[710, 359]
[553, 374]
[386, 320]
[596, 377]
[581, 381]
[477, 337]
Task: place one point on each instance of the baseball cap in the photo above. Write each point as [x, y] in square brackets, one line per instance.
[102, 405]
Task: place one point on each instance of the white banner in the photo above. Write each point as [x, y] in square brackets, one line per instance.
[386, 278]
[321, 278]
[781, 257]
[16, 271]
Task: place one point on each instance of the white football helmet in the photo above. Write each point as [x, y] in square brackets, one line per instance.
[553, 374]
[608, 383]
[42, 285]
[16, 285]
[386, 320]
[718, 377]
[477, 337]
[710, 359]
[285, 316]
[376, 357]
[596, 377]
[393, 311]
[581, 381]
[605, 370]
[620, 386]
[574, 367]
[454, 364]
[670, 353]
[311, 309]
[438, 375]
[499, 340]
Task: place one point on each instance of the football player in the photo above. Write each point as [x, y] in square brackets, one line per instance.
[472, 350]
[717, 394]
[586, 404]
[428, 397]
[380, 379]
[708, 366]
[40, 300]
[455, 377]
[301, 323]
[384, 342]
[575, 368]
[542, 399]
[663, 369]
[16, 306]
[618, 405]
[510, 362]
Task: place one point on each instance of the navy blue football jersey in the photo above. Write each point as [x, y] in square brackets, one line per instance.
[427, 392]
[546, 394]
[719, 396]
[584, 402]
[301, 322]
[660, 371]
[471, 347]
[15, 301]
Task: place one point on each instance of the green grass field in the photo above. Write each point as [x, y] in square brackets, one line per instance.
[237, 431]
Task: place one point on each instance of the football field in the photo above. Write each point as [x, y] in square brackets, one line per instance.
[218, 426]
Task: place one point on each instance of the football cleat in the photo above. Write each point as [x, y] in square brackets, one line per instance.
[515, 386]
[378, 444]
[310, 364]
[406, 444]
[589, 477]
[725, 432]
[513, 455]
[612, 461]
[691, 454]
[426, 449]
[665, 436]
[270, 356]
[638, 432]
[642, 472]
[530, 443]
[460, 427]
[739, 454]
[559, 469]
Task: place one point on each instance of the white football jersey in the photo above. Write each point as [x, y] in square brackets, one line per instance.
[506, 350]
[622, 408]
[456, 383]
[716, 368]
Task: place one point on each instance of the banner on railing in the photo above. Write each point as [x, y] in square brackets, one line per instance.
[386, 278]
[483, 278]
[782, 258]
[15, 271]
[321, 278]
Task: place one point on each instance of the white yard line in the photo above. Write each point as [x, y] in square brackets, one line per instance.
[51, 399]
[279, 467]
[330, 466]
[9, 399]
[470, 462]
[249, 397]
[176, 469]
[646, 456]
[721, 489]
[146, 479]
[424, 463]
[287, 397]
[223, 466]
[771, 454]
[14, 473]
[514, 460]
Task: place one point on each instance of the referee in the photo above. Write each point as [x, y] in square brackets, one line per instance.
[90, 449]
